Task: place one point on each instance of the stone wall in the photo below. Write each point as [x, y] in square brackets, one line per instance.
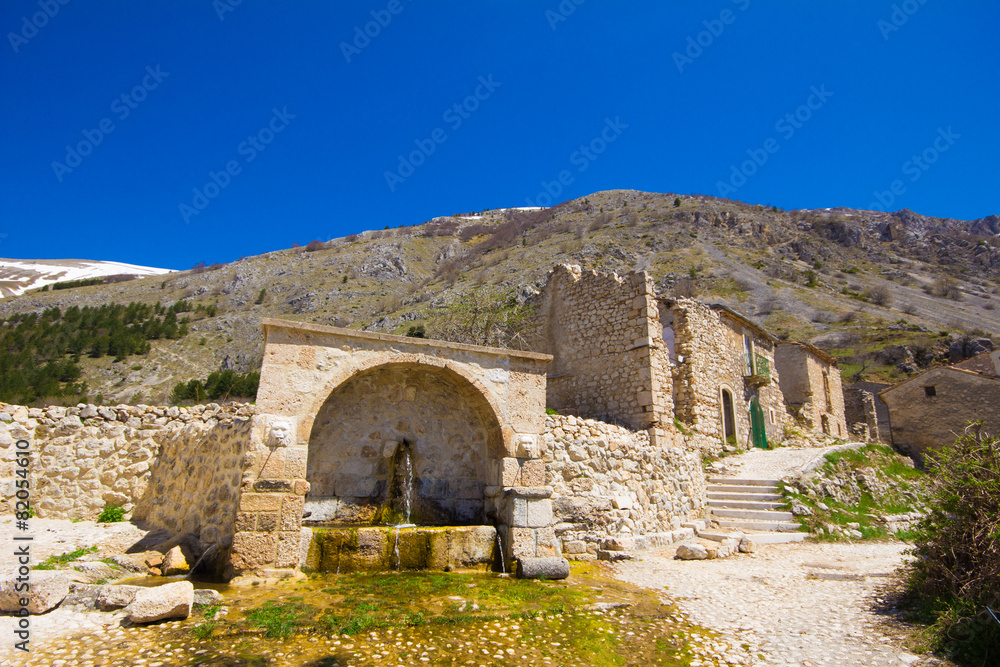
[812, 388]
[609, 358]
[709, 350]
[609, 483]
[173, 468]
[932, 409]
[856, 412]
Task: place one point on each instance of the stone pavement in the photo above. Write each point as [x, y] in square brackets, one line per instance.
[802, 604]
[777, 463]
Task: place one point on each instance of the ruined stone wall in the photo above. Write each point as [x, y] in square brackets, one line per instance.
[921, 422]
[710, 355]
[610, 361]
[812, 388]
[855, 411]
[610, 483]
[175, 468]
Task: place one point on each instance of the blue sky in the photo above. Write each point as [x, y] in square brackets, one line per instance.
[169, 133]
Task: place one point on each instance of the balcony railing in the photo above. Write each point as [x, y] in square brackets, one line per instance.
[757, 370]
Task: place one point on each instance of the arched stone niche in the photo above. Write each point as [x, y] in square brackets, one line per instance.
[398, 428]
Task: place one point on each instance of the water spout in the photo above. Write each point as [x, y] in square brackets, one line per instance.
[407, 487]
[503, 562]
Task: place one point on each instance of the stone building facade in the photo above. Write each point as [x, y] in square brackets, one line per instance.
[811, 385]
[933, 408]
[723, 366]
[987, 363]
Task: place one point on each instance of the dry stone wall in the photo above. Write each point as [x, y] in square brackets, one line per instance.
[611, 484]
[174, 467]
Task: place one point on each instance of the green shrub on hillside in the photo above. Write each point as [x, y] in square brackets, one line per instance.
[218, 385]
[957, 571]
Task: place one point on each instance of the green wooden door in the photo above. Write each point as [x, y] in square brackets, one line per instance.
[758, 431]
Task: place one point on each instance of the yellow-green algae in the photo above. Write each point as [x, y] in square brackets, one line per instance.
[423, 618]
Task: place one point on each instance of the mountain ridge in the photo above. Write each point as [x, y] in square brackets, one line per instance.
[848, 280]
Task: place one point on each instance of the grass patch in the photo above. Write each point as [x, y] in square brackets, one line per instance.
[280, 620]
[54, 562]
[854, 488]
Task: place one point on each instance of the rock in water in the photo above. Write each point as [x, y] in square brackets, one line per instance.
[543, 568]
[162, 602]
[692, 552]
[174, 562]
[205, 597]
[46, 591]
[116, 597]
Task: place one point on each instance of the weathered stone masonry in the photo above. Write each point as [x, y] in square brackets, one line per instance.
[173, 468]
[319, 422]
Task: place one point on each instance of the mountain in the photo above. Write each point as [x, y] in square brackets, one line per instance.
[888, 293]
[17, 276]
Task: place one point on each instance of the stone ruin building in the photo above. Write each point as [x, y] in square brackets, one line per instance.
[354, 429]
[935, 406]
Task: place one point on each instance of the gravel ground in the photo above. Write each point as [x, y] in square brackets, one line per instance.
[805, 603]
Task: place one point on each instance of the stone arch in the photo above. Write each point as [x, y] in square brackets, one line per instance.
[727, 414]
[442, 419]
[362, 366]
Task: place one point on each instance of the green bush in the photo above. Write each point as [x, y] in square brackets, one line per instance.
[111, 514]
[957, 571]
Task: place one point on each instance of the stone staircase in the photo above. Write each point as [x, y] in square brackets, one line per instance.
[751, 508]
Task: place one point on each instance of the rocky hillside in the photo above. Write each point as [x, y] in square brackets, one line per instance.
[854, 282]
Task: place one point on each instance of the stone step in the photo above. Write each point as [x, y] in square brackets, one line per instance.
[776, 538]
[758, 515]
[762, 526]
[720, 495]
[745, 504]
[732, 488]
[743, 482]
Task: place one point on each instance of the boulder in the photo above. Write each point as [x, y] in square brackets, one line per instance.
[45, 591]
[747, 546]
[206, 597]
[799, 509]
[174, 562]
[543, 568]
[116, 597]
[162, 602]
[692, 552]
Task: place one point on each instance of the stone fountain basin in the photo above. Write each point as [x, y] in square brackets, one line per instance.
[386, 548]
